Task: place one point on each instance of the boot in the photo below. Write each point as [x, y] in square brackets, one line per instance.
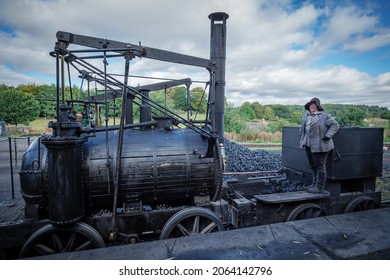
[315, 190]
[318, 187]
[314, 182]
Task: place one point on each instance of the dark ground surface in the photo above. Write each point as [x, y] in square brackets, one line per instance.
[335, 237]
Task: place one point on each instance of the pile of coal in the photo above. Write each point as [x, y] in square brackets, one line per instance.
[242, 159]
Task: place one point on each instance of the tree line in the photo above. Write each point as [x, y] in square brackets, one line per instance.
[346, 114]
[25, 103]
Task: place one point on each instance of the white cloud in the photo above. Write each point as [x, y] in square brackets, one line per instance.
[355, 30]
[12, 77]
[336, 84]
[370, 43]
[271, 47]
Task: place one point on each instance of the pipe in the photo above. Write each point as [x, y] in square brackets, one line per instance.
[113, 228]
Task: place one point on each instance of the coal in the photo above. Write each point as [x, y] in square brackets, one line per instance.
[242, 159]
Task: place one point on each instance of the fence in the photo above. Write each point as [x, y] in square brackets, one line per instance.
[11, 153]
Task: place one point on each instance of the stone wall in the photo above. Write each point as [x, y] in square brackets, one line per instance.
[12, 130]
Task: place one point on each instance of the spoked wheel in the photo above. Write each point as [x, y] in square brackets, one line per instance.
[51, 240]
[361, 203]
[305, 211]
[191, 221]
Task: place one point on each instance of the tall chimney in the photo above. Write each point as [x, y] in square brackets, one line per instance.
[218, 56]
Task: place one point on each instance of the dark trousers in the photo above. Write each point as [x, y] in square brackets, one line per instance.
[317, 162]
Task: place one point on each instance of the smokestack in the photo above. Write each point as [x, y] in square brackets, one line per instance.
[218, 56]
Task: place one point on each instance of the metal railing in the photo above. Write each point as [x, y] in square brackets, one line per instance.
[11, 151]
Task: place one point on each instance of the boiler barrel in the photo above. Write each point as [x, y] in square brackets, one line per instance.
[158, 167]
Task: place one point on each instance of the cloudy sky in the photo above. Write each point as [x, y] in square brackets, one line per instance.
[278, 51]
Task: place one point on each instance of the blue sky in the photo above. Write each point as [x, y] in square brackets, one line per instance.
[278, 51]
[372, 62]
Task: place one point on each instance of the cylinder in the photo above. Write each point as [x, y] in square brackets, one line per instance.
[65, 190]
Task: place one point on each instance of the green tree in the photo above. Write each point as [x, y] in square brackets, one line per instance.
[296, 117]
[247, 112]
[46, 97]
[198, 100]
[258, 109]
[233, 121]
[31, 89]
[180, 98]
[18, 107]
[268, 113]
[277, 125]
[351, 116]
[161, 99]
[3, 87]
[281, 111]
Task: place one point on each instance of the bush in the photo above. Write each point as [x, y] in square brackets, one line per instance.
[250, 135]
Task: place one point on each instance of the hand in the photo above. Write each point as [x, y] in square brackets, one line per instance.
[326, 138]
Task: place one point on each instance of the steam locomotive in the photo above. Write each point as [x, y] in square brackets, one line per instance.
[162, 176]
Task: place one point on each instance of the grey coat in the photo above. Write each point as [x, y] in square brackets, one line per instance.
[322, 125]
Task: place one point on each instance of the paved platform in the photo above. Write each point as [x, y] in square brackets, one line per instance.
[360, 235]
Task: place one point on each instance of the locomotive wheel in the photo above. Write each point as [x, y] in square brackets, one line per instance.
[361, 203]
[51, 240]
[305, 211]
[191, 221]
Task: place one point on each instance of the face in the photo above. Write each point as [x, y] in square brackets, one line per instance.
[313, 107]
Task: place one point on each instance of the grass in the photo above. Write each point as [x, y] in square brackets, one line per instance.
[40, 126]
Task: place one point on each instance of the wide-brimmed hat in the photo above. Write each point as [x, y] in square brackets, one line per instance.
[316, 101]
